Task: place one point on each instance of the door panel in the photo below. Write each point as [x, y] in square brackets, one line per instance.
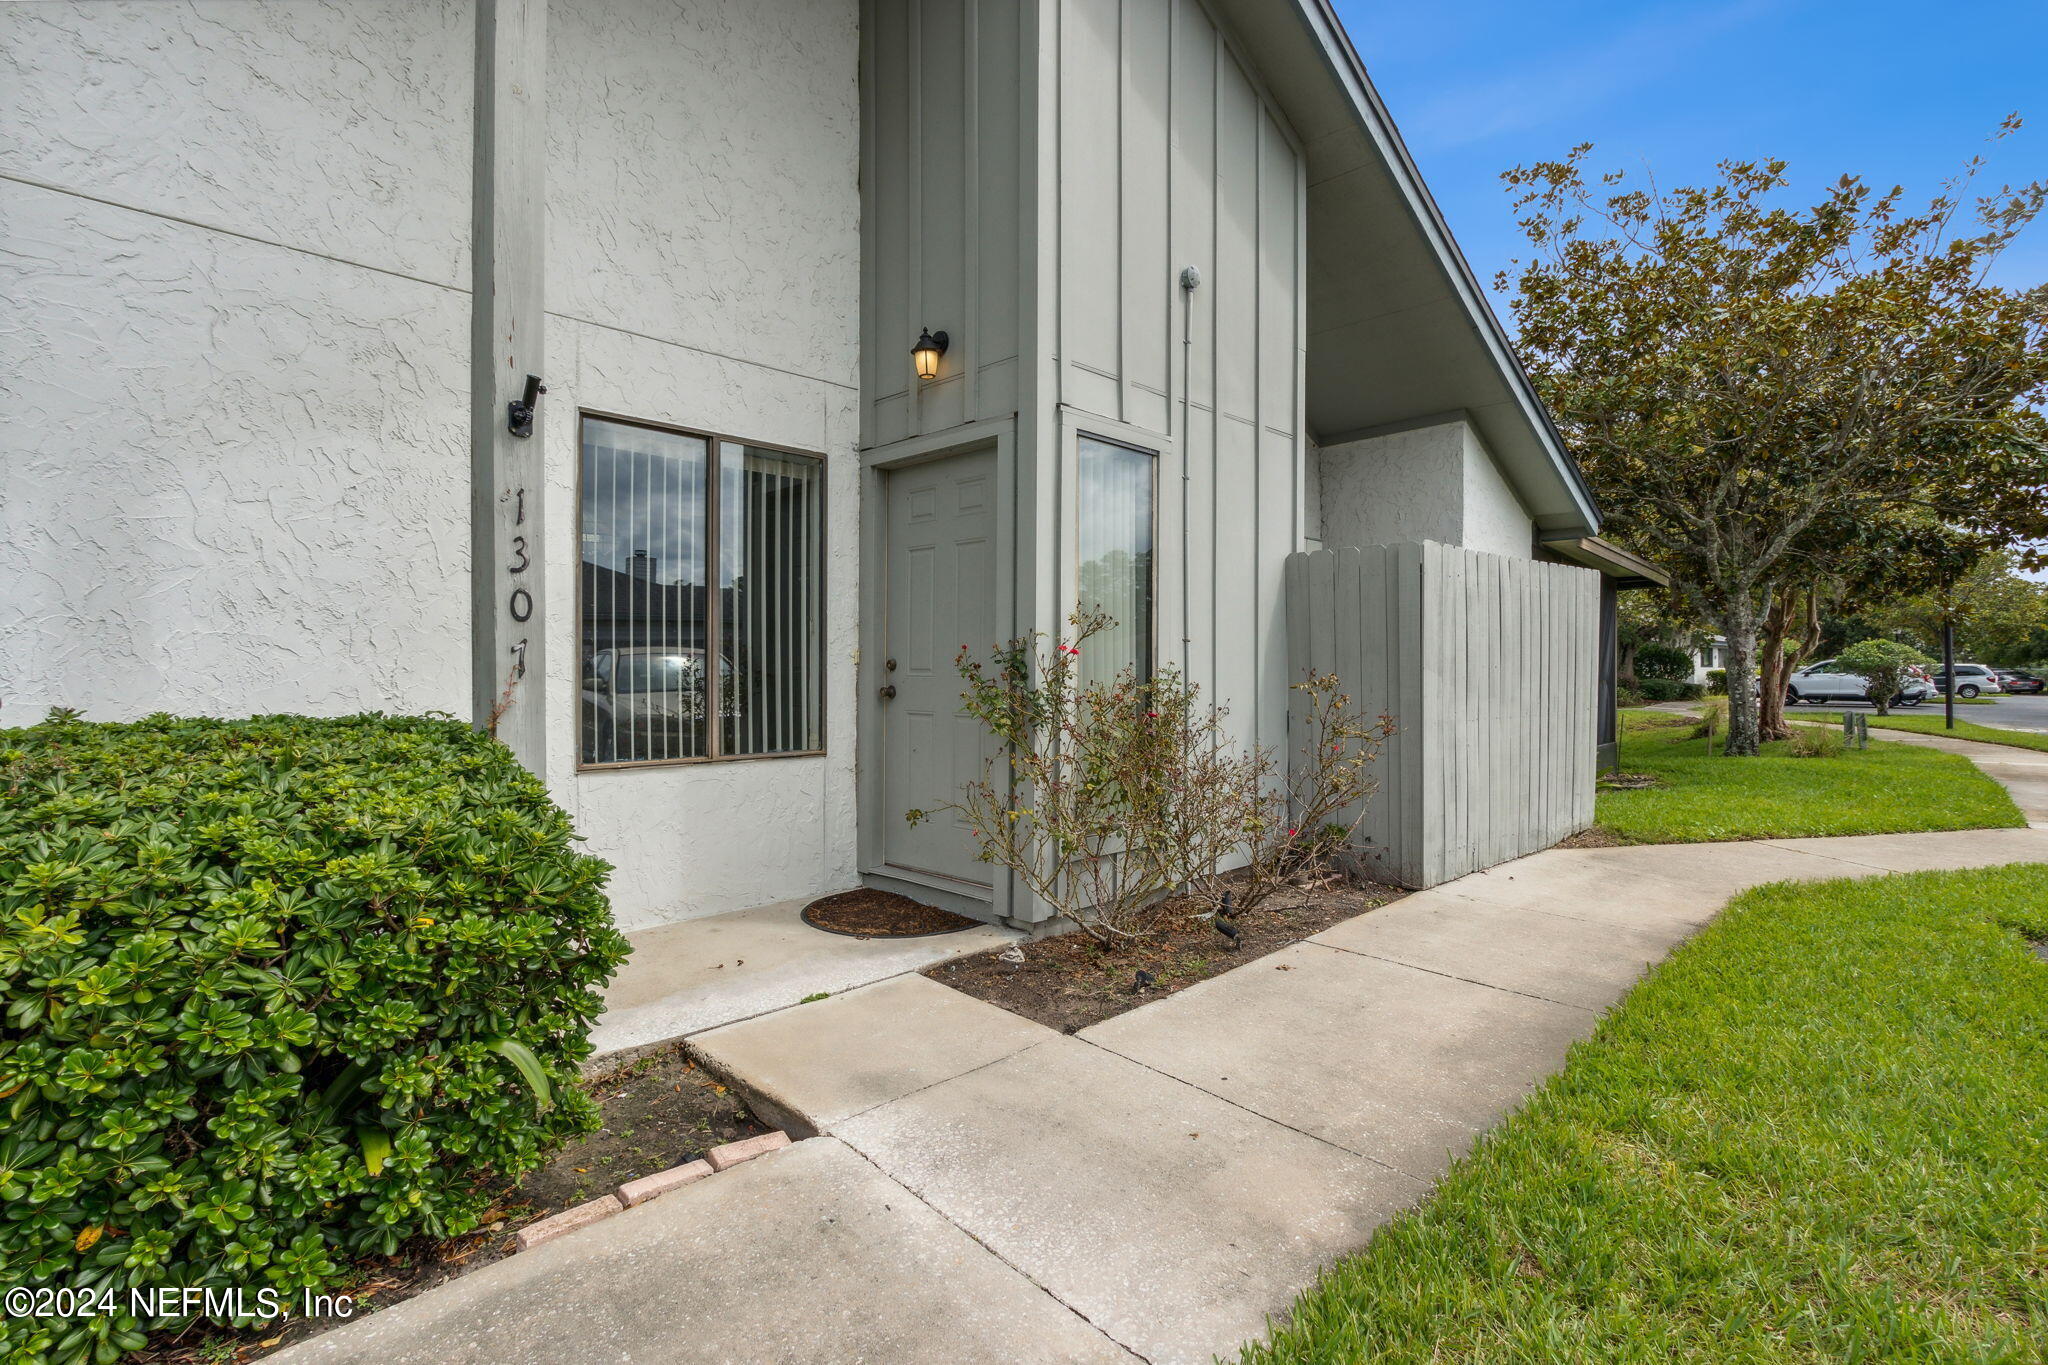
[940, 595]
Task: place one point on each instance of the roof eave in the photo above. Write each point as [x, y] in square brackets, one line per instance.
[1345, 65]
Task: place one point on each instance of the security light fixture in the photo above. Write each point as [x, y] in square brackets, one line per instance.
[930, 346]
[519, 412]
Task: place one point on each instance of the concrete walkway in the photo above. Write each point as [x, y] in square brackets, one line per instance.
[696, 974]
[1155, 1187]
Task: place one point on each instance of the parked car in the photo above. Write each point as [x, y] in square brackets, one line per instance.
[646, 702]
[1823, 684]
[2019, 680]
[1971, 680]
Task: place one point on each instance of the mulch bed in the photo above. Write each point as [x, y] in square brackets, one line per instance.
[868, 913]
[1070, 982]
[1595, 837]
[659, 1111]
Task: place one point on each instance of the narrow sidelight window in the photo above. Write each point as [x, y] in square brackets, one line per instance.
[1115, 501]
[681, 663]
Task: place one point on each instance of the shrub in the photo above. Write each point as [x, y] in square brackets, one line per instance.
[1657, 660]
[1108, 796]
[1812, 741]
[1327, 789]
[279, 992]
[1077, 801]
[1882, 664]
[1625, 697]
[1665, 689]
[1717, 682]
[1713, 718]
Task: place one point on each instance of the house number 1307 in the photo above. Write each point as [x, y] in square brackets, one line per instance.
[520, 603]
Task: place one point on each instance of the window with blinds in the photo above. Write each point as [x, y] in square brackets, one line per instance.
[1115, 503]
[701, 597]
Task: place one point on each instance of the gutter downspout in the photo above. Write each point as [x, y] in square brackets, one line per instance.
[1190, 281]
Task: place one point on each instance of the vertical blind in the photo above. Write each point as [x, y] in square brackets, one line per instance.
[769, 582]
[657, 506]
[1116, 557]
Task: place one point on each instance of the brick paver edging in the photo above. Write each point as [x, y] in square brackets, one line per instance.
[648, 1187]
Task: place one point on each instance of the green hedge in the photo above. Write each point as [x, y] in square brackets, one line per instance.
[1666, 689]
[279, 992]
[1655, 659]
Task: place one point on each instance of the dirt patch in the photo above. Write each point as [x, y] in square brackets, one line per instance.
[660, 1110]
[1627, 782]
[1595, 837]
[1070, 982]
[868, 913]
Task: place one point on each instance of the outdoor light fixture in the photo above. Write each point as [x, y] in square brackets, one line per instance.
[519, 412]
[926, 353]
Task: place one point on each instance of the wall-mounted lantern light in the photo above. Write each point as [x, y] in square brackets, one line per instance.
[930, 346]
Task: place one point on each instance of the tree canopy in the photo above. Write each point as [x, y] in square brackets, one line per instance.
[1761, 394]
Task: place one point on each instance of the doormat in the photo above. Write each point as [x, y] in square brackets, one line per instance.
[868, 913]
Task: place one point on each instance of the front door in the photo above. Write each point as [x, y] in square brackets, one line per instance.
[941, 596]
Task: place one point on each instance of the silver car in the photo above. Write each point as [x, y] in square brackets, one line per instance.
[1971, 680]
[1824, 684]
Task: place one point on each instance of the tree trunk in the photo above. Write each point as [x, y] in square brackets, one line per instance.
[1792, 610]
[1739, 625]
[1773, 666]
[1771, 672]
[1625, 665]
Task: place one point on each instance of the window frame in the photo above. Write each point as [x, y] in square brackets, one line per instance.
[714, 625]
[1154, 457]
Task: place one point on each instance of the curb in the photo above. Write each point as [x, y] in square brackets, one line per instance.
[648, 1187]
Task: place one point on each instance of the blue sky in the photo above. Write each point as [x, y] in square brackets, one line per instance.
[1898, 93]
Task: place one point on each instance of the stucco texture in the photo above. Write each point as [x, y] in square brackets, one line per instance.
[334, 126]
[703, 272]
[1436, 482]
[235, 357]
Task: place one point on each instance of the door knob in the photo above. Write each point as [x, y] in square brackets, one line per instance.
[889, 692]
[890, 665]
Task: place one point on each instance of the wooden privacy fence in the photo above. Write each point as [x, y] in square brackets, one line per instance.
[1489, 666]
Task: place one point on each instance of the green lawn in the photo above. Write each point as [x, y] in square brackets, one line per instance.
[1920, 722]
[1885, 789]
[1815, 1134]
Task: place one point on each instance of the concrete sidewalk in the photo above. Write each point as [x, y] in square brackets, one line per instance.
[1157, 1186]
[697, 974]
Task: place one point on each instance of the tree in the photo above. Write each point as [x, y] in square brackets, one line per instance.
[1996, 611]
[1844, 564]
[1650, 616]
[1742, 380]
[1882, 664]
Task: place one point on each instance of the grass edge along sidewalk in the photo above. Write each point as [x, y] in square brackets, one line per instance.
[1921, 724]
[1704, 796]
[1812, 1134]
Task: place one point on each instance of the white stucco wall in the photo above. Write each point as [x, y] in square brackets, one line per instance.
[1409, 485]
[1495, 520]
[1437, 482]
[234, 241]
[703, 272]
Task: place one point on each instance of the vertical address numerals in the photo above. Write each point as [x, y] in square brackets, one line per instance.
[519, 602]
